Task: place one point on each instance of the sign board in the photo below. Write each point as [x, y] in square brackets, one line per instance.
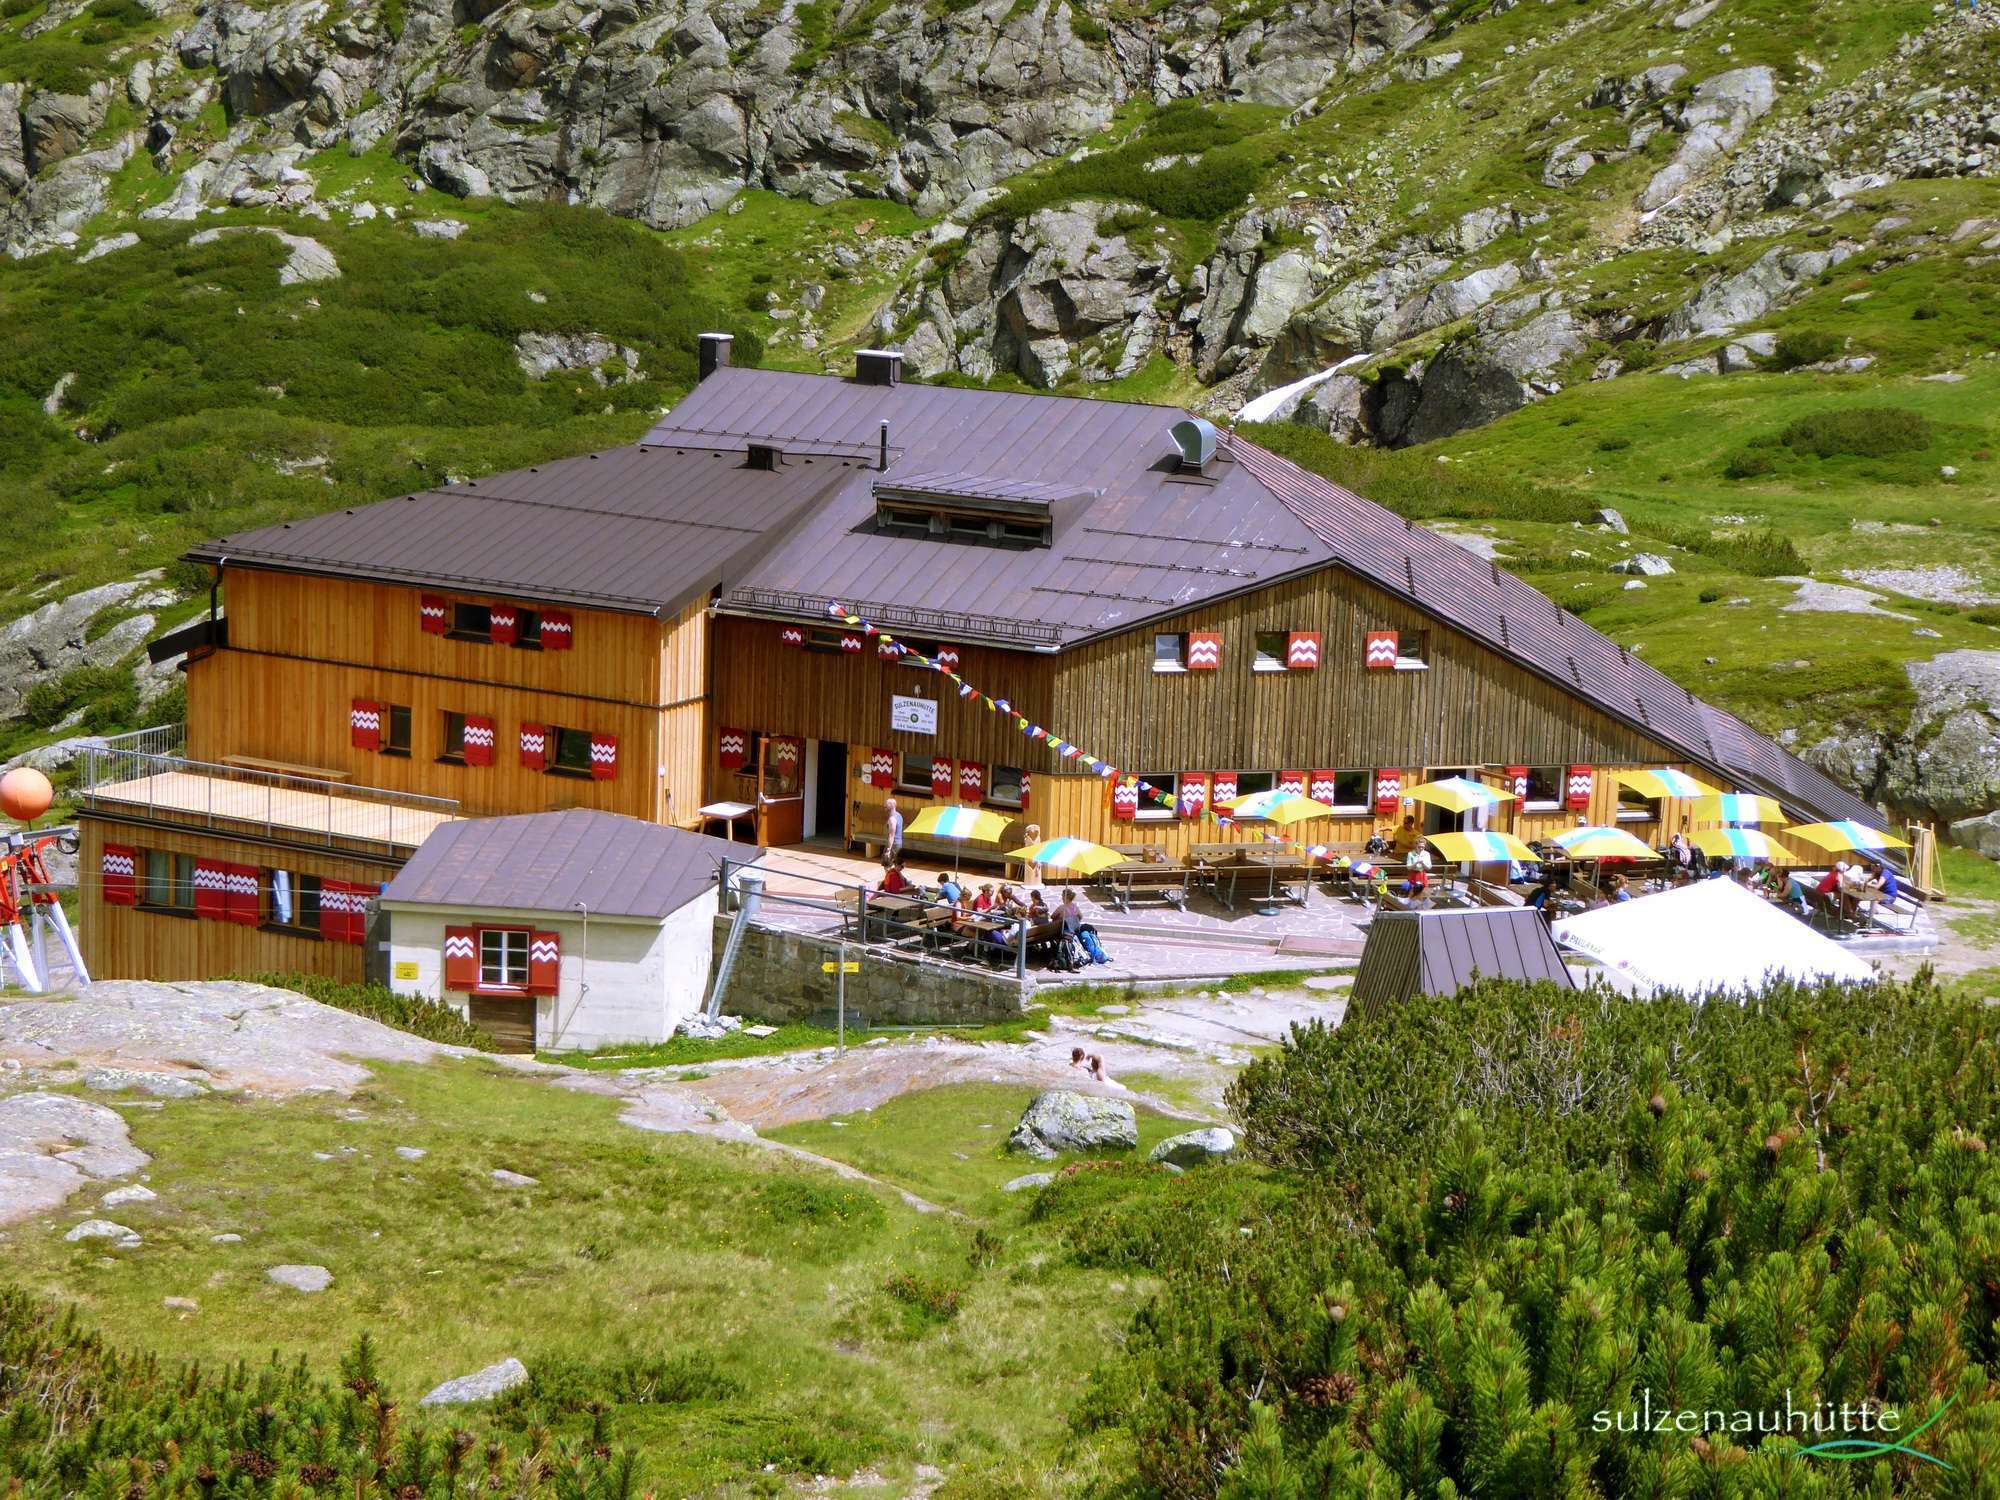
[405, 969]
[913, 715]
[852, 966]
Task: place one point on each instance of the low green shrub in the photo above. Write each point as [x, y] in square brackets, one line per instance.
[560, 1386]
[1805, 346]
[1228, 169]
[1748, 464]
[927, 1298]
[412, 1013]
[1858, 431]
[1762, 554]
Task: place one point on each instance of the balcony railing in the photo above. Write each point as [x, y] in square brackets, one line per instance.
[133, 779]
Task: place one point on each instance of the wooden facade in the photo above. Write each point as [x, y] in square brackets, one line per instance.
[137, 942]
[1467, 709]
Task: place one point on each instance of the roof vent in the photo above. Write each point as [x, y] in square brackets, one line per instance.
[878, 366]
[712, 353]
[765, 456]
[1196, 438]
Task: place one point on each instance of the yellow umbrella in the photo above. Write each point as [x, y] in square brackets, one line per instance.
[1481, 848]
[1281, 808]
[1080, 855]
[1457, 794]
[1845, 834]
[962, 823]
[1601, 843]
[1739, 843]
[1664, 782]
[1738, 807]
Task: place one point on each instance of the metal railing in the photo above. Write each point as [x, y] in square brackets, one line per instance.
[162, 739]
[950, 624]
[864, 926]
[113, 778]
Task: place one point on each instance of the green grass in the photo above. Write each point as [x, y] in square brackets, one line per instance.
[768, 1278]
[686, 1051]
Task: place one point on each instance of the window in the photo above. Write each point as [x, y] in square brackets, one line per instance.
[1633, 807]
[572, 755]
[1273, 647]
[1168, 785]
[291, 902]
[528, 629]
[454, 739]
[823, 640]
[169, 882]
[913, 773]
[753, 747]
[1021, 526]
[928, 650]
[1547, 786]
[1413, 651]
[1006, 787]
[1248, 782]
[503, 958]
[1169, 653]
[471, 622]
[395, 729]
[1353, 791]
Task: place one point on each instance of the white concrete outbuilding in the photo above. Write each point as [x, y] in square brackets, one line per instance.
[559, 931]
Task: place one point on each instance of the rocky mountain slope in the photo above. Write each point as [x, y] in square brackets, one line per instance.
[1512, 263]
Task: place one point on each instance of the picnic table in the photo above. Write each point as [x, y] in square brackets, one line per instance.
[1278, 872]
[1134, 875]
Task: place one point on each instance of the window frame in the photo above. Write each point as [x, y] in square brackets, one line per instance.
[527, 629]
[1149, 811]
[1635, 807]
[267, 905]
[824, 640]
[1413, 661]
[926, 649]
[919, 788]
[1268, 661]
[504, 985]
[449, 753]
[1244, 778]
[556, 765]
[394, 714]
[1178, 662]
[1366, 803]
[753, 746]
[174, 884]
[992, 795]
[1558, 777]
[458, 630]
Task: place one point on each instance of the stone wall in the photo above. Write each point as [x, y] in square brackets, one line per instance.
[778, 978]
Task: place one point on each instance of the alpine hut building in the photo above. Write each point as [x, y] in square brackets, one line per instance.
[1109, 587]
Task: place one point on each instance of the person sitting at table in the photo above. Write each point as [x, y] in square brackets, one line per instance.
[1418, 864]
[1408, 838]
[1010, 903]
[1544, 888]
[1883, 888]
[1616, 890]
[1378, 843]
[1680, 859]
[1854, 889]
[1038, 906]
[896, 879]
[1828, 890]
[984, 901]
[962, 914]
[949, 889]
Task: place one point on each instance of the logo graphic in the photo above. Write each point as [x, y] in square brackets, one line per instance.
[1852, 1449]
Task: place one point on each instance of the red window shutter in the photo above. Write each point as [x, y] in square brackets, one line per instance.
[1321, 789]
[558, 631]
[535, 747]
[1223, 788]
[791, 635]
[1124, 800]
[603, 757]
[343, 912]
[1388, 791]
[786, 752]
[364, 720]
[944, 776]
[887, 649]
[1024, 791]
[1579, 788]
[732, 748]
[479, 735]
[1517, 781]
[121, 875]
[1204, 651]
[879, 769]
[544, 962]
[971, 781]
[431, 613]
[1302, 651]
[461, 958]
[1194, 795]
[211, 881]
[1381, 650]
[947, 658]
[1292, 783]
[850, 644]
[506, 624]
[240, 896]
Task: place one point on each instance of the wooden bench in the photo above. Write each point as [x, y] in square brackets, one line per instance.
[1286, 880]
[285, 768]
[871, 832]
[1126, 880]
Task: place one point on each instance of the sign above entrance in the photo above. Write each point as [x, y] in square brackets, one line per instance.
[913, 715]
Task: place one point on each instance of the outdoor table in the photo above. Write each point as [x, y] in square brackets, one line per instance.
[1125, 878]
[728, 814]
[897, 907]
[1277, 869]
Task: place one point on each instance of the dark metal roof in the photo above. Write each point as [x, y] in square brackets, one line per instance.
[548, 862]
[643, 529]
[1138, 539]
[1440, 952]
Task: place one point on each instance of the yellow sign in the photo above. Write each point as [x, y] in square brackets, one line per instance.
[852, 966]
[405, 969]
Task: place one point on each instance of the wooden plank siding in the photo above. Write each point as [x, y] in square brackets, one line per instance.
[302, 649]
[129, 942]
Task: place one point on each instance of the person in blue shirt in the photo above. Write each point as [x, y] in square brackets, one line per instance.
[948, 889]
[1883, 887]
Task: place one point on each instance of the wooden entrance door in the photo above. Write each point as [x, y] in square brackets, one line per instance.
[781, 799]
[508, 1019]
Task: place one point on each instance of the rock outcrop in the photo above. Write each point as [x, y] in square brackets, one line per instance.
[1061, 1120]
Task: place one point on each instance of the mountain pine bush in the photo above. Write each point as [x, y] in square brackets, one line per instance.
[1497, 1223]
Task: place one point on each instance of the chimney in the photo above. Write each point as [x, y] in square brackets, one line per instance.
[878, 366]
[713, 353]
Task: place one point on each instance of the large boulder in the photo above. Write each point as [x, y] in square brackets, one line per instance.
[56, 126]
[1062, 1120]
[54, 639]
[481, 1385]
[1946, 765]
[1462, 388]
[1715, 119]
[1196, 1148]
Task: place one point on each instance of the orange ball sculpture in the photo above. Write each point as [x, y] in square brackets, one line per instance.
[25, 794]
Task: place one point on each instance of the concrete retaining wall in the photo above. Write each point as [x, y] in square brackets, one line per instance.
[778, 978]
